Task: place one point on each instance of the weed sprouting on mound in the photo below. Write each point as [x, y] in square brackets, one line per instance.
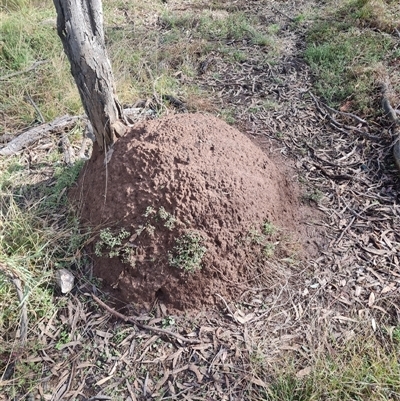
[110, 243]
[188, 252]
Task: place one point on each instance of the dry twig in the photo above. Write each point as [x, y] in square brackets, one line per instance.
[14, 74]
[32, 135]
[346, 129]
[134, 321]
[39, 113]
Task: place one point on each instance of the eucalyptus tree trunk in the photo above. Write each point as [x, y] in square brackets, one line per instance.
[80, 27]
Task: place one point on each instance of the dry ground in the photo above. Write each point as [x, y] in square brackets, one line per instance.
[232, 351]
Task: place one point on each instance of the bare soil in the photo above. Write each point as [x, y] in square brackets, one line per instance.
[214, 181]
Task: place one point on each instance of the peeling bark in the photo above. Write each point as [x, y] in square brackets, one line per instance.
[80, 27]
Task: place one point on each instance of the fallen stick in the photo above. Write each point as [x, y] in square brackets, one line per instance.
[346, 129]
[32, 135]
[32, 67]
[391, 113]
[132, 320]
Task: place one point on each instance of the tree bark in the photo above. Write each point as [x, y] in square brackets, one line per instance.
[80, 27]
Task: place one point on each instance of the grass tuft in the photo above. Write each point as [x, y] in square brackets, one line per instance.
[347, 56]
[33, 65]
[38, 234]
[361, 370]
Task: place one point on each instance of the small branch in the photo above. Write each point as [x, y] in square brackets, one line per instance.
[358, 119]
[227, 307]
[339, 126]
[99, 398]
[387, 107]
[42, 120]
[85, 143]
[20, 294]
[285, 15]
[132, 320]
[344, 231]
[32, 135]
[24, 312]
[317, 104]
[32, 67]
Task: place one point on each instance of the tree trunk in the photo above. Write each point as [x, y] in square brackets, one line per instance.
[80, 27]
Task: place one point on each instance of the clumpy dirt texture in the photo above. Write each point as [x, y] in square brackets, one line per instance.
[179, 177]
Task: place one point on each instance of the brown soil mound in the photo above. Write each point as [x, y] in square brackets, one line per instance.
[184, 178]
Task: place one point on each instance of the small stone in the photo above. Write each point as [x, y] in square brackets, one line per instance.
[65, 280]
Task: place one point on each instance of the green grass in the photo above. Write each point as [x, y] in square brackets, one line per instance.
[27, 38]
[361, 370]
[348, 56]
[376, 14]
[38, 234]
[345, 60]
[212, 26]
[165, 61]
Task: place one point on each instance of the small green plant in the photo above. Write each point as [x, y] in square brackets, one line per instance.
[65, 177]
[274, 29]
[268, 228]
[239, 56]
[315, 195]
[268, 249]
[120, 336]
[168, 321]
[298, 19]
[149, 211]
[396, 334]
[63, 339]
[188, 252]
[229, 116]
[148, 228]
[264, 239]
[112, 242]
[153, 216]
[256, 237]
[169, 220]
